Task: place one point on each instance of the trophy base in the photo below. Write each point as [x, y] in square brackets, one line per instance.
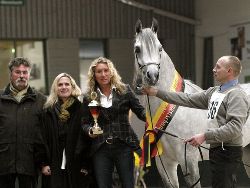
[97, 131]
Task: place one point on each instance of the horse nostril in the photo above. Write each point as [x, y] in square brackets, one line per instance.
[152, 76]
[157, 76]
[148, 75]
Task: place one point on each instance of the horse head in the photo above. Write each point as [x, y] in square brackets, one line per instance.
[148, 53]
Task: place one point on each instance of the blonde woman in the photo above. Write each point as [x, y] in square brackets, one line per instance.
[113, 148]
[62, 125]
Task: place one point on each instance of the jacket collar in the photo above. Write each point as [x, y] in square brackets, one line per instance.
[31, 93]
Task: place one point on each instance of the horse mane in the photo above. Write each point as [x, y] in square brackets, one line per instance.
[194, 87]
[146, 35]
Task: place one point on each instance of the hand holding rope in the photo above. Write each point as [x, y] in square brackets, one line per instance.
[183, 139]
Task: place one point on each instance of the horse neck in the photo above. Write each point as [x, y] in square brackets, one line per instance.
[167, 73]
[166, 80]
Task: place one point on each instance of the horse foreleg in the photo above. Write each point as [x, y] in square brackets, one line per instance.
[167, 168]
[192, 177]
[190, 167]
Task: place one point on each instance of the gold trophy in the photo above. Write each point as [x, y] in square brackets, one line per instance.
[94, 108]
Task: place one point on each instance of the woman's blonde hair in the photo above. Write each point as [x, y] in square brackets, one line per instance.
[53, 96]
[115, 79]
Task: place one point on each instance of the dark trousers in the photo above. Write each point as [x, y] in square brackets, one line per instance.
[224, 165]
[25, 181]
[58, 179]
[109, 155]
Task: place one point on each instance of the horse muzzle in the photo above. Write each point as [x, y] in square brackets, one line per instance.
[151, 77]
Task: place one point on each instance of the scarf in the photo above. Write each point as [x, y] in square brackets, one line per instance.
[18, 95]
[62, 109]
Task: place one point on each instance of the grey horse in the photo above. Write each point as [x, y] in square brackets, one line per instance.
[154, 67]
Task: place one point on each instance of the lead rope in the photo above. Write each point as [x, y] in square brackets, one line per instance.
[185, 155]
[149, 108]
[185, 151]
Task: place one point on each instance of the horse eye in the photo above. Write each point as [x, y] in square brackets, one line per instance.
[137, 49]
[160, 49]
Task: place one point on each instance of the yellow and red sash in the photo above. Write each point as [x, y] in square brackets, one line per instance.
[150, 143]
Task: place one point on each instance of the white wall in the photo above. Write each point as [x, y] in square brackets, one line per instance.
[216, 19]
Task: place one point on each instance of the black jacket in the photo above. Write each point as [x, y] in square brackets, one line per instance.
[20, 134]
[115, 120]
[76, 149]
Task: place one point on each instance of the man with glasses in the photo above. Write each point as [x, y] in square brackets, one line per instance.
[21, 145]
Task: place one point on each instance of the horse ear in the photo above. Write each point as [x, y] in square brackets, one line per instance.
[138, 26]
[154, 26]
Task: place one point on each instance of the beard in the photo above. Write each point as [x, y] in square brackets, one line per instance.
[20, 83]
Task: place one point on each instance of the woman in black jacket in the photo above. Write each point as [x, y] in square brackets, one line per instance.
[69, 165]
[113, 148]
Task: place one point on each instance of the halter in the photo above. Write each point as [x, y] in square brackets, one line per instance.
[142, 66]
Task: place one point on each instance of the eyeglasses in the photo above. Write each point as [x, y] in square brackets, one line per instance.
[21, 72]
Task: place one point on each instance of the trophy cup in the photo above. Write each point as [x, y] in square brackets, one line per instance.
[94, 108]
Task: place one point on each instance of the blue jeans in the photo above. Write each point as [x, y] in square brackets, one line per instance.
[119, 155]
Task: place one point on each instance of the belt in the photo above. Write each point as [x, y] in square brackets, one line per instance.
[230, 148]
[112, 140]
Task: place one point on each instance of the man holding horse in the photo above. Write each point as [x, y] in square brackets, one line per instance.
[228, 109]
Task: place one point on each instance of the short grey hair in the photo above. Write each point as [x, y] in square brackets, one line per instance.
[16, 62]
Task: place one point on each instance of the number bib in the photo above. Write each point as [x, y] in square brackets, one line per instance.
[213, 107]
[214, 104]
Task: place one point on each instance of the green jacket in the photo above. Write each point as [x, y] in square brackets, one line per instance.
[21, 141]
